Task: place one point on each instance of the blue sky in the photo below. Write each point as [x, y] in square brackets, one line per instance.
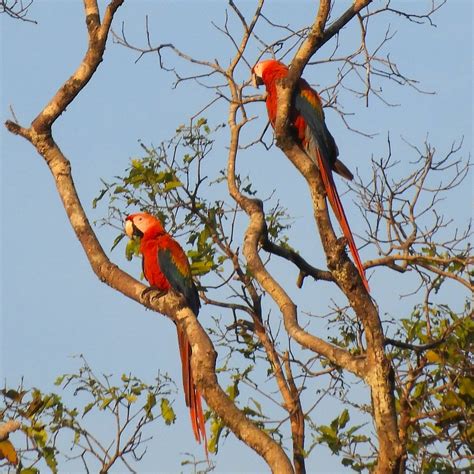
[53, 306]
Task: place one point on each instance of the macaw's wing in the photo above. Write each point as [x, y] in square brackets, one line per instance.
[175, 267]
[321, 148]
[309, 107]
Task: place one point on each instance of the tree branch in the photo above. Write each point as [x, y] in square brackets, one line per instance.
[203, 353]
[305, 268]
[377, 369]
[67, 93]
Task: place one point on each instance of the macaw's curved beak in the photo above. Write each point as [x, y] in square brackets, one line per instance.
[129, 228]
[256, 80]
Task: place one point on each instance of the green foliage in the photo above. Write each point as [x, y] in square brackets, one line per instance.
[278, 221]
[168, 182]
[132, 248]
[170, 177]
[432, 379]
[435, 389]
[349, 331]
[454, 263]
[49, 424]
[253, 410]
[167, 411]
[346, 441]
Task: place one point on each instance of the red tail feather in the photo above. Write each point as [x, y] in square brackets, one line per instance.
[191, 393]
[201, 423]
[333, 196]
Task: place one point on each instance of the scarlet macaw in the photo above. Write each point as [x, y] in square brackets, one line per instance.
[166, 266]
[307, 117]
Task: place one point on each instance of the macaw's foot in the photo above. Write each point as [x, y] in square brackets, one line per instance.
[151, 293]
[341, 242]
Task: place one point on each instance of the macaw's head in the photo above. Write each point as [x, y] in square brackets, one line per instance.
[266, 72]
[140, 223]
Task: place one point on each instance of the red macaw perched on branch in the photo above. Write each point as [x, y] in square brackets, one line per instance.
[307, 117]
[166, 266]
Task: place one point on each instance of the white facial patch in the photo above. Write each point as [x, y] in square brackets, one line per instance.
[257, 75]
[258, 69]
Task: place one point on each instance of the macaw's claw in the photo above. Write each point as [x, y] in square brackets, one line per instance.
[152, 293]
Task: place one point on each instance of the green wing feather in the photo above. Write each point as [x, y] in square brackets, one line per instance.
[179, 277]
[309, 106]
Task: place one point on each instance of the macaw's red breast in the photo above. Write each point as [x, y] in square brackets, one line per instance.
[151, 270]
[151, 244]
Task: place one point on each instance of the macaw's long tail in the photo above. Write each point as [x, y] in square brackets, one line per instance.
[191, 393]
[333, 196]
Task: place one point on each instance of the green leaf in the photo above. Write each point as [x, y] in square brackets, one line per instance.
[343, 418]
[450, 399]
[120, 189]
[328, 432]
[200, 268]
[353, 429]
[172, 185]
[330, 437]
[150, 403]
[137, 164]
[39, 434]
[50, 458]
[117, 241]
[216, 430]
[167, 411]
[435, 428]
[258, 405]
[132, 248]
[466, 386]
[232, 391]
[99, 197]
[137, 390]
[88, 408]
[59, 380]
[106, 402]
[51, 401]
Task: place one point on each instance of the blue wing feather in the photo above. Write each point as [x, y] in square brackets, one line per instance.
[181, 283]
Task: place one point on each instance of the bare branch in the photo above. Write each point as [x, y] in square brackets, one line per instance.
[17, 9]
